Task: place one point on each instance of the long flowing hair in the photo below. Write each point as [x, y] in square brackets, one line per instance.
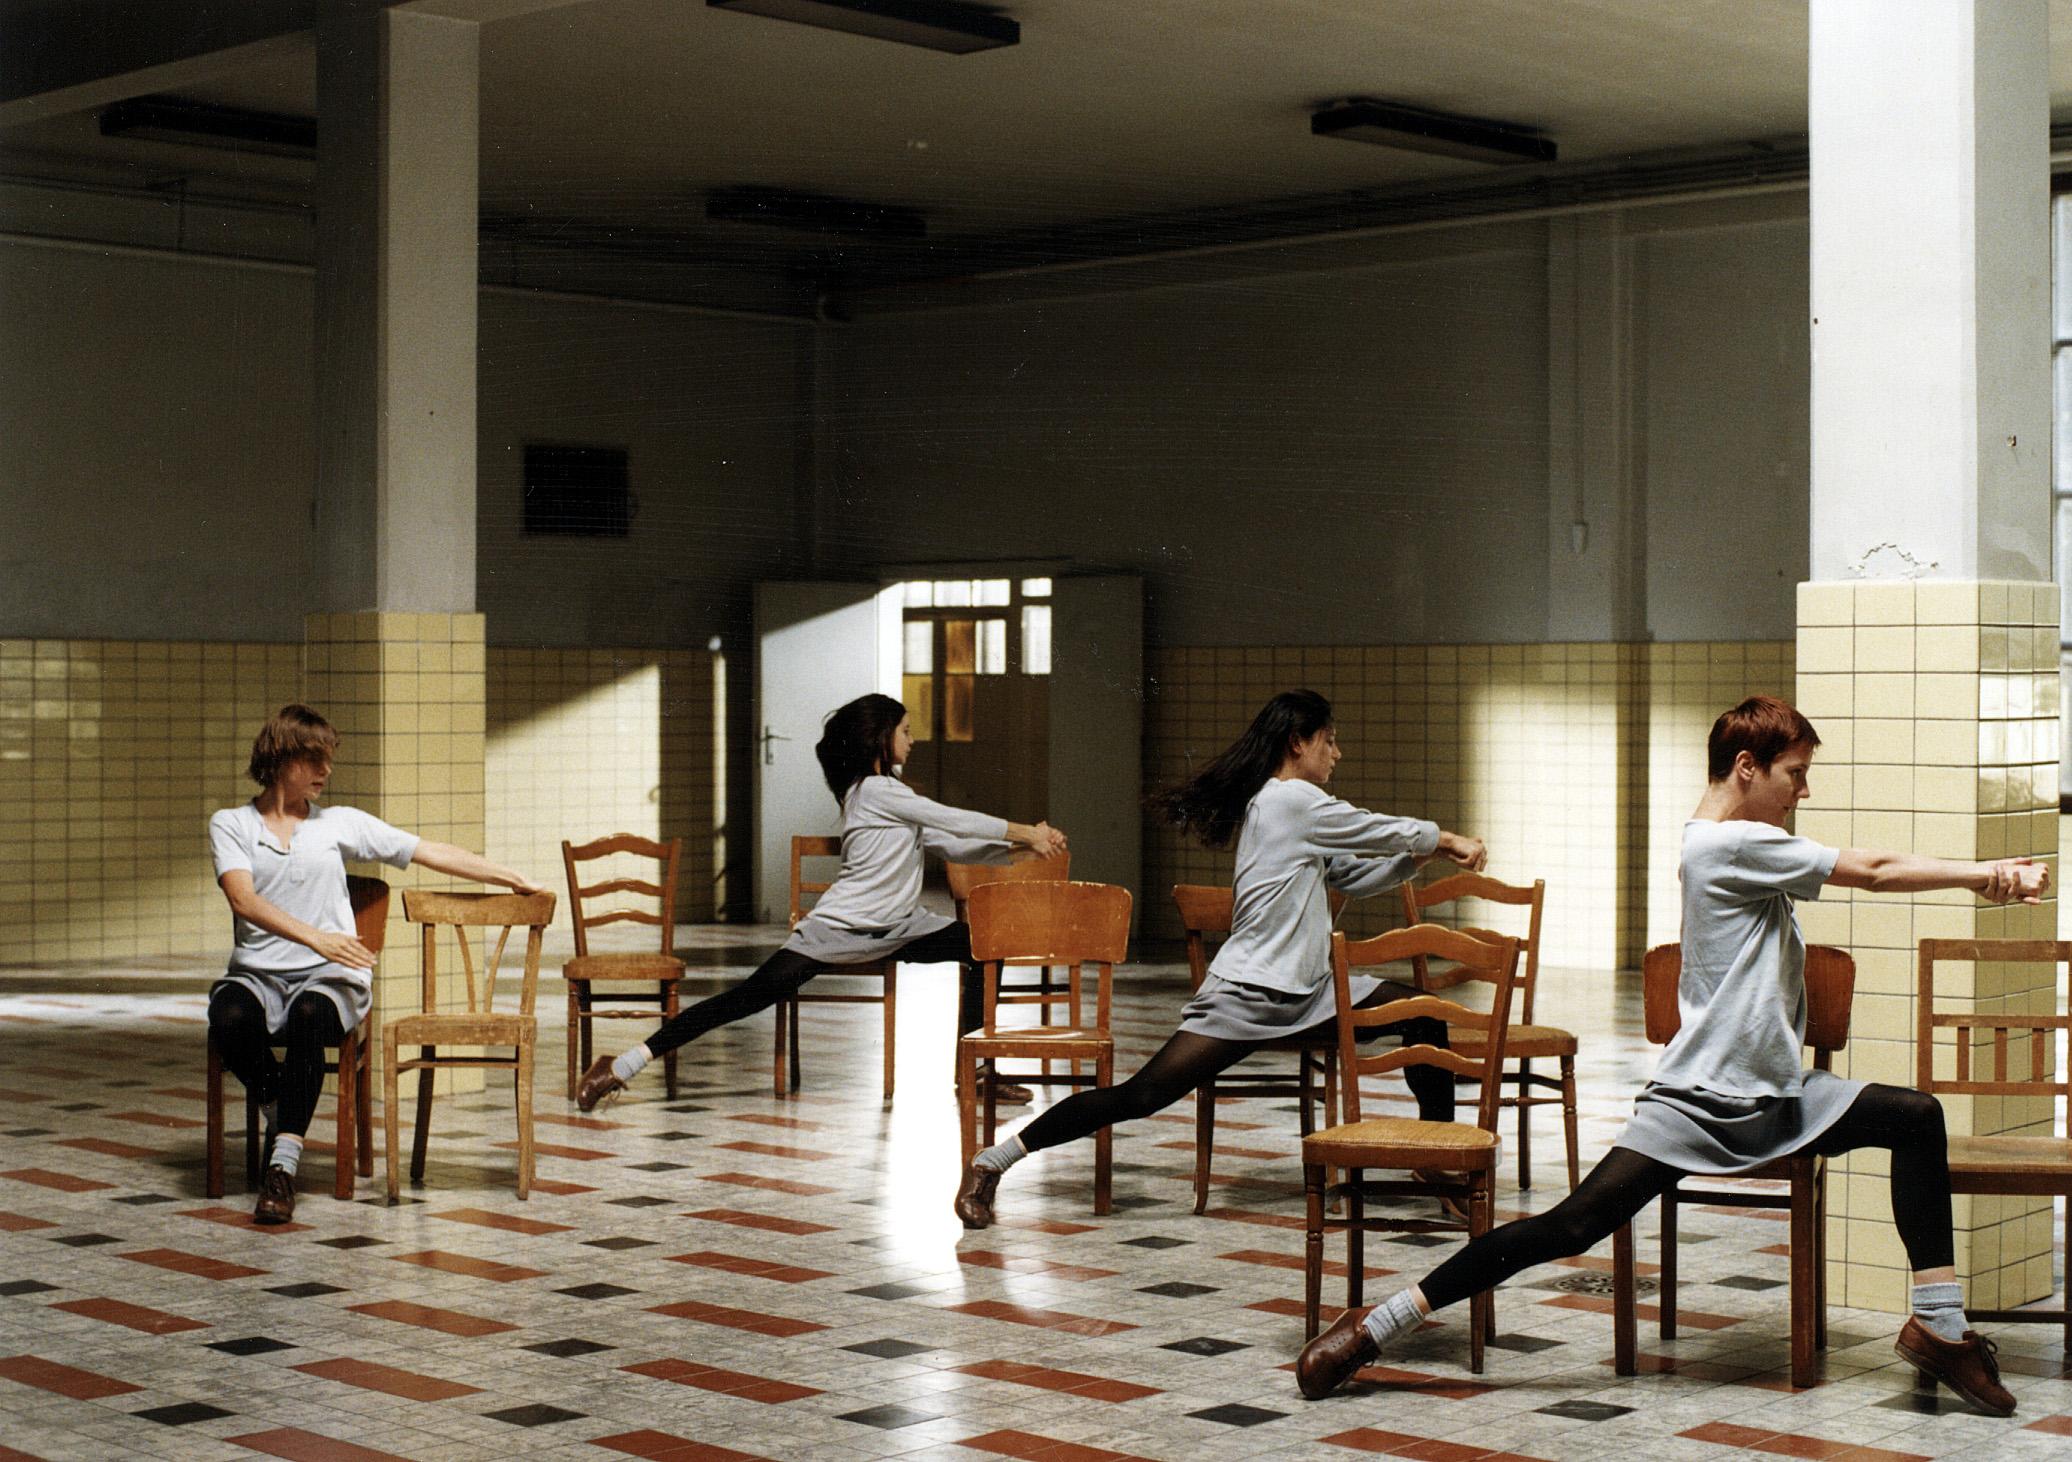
[1212, 802]
[857, 741]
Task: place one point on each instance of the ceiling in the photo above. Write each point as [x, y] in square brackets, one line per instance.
[604, 122]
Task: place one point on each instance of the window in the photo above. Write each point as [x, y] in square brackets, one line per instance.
[577, 492]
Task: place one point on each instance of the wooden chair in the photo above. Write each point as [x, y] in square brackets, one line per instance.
[661, 968]
[479, 1024]
[1526, 1042]
[1830, 993]
[786, 1063]
[1054, 924]
[1043, 992]
[354, 1149]
[1205, 913]
[2036, 1165]
[1466, 1152]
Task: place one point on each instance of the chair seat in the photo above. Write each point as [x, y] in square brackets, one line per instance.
[1522, 1041]
[462, 1028]
[2011, 1160]
[1402, 1142]
[1056, 1041]
[623, 967]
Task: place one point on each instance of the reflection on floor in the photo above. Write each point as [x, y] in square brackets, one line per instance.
[733, 1275]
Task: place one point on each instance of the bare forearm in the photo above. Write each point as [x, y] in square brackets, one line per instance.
[1881, 872]
[458, 861]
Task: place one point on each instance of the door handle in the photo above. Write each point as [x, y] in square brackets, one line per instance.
[769, 751]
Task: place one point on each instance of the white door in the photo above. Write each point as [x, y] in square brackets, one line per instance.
[818, 646]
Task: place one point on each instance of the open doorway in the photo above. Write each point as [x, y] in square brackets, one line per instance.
[975, 678]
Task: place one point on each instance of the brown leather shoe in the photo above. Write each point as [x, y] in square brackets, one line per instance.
[276, 1197]
[599, 1083]
[1966, 1366]
[1451, 1206]
[1008, 1094]
[975, 1196]
[1330, 1360]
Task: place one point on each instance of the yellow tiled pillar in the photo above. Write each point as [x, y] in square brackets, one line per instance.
[406, 694]
[1936, 702]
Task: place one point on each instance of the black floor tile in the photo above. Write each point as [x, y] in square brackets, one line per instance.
[1525, 1344]
[351, 1241]
[1236, 1413]
[639, 1202]
[1175, 1289]
[1157, 1241]
[619, 1242]
[536, 1414]
[890, 1292]
[251, 1345]
[185, 1413]
[889, 1418]
[563, 1349]
[309, 1289]
[595, 1291]
[1748, 1281]
[87, 1241]
[1205, 1345]
[141, 1200]
[25, 1286]
[891, 1349]
[657, 1167]
[1579, 1410]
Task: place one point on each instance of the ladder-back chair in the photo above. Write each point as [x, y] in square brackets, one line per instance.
[659, 968]
[1043, 992]
[803, 889]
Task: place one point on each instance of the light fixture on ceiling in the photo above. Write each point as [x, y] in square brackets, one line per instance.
[1417, 129]
[814, 213]
[938, 25]
[203, 124]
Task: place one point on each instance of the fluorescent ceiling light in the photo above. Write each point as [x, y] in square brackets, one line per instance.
[939, 25]
[1414, 129]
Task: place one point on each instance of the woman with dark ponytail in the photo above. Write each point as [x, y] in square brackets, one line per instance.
[873, 909]
[1272, 977]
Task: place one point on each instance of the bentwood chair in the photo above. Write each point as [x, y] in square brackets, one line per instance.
[1455, 1160]
[1067, 925]
[2002, 1055]
[786, 1059]
[660, 968]
[1205, 912]
[1043, 992]
[1526, 1042]
[1830, 995]
[354, 1143]
[479, 1023]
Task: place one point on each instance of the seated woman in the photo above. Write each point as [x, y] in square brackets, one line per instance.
[298, 974]
[872, 911]
[1728, 1094]
[1272, 977]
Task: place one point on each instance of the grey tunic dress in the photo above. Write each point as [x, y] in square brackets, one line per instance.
[874, 904]
[1272, 977]
[1729, 1093]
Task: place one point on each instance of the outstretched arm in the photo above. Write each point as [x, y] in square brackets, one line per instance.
[2000, 881]
[447, 858]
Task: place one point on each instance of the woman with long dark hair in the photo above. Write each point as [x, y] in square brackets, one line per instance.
[1272, 977]
[873, 910]
[1728, 1094]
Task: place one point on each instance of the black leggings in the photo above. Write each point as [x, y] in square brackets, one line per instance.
[1187, 1060]
[781, 975]
[1908, 1122]
[237, 1021]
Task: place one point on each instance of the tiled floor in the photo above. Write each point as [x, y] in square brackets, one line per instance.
[734, 1275]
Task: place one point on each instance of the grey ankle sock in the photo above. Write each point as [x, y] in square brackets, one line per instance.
[630, 1064]
[287, 1152]
[999, 1158]
[1940, 1307]
[1394, 1316]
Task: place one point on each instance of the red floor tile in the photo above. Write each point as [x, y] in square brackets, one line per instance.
[449, 1322]
[199, 1265]
[1035, 1448]
[1043, 1319]
[21, 1223]
[573, 1154]
[1054, 1226]
[1267, 1220]
[48, 1375]
[1261, 1154]
[106, 1148]
[558, 1188]
[749, 1320]
[775, 1149]
[752, 1268]
[774, 1185]
[767, 1221]
[62, 1182]
[298, 1445]
[241, 1218]
[135, 1317]
[387, 1379]
[726, 1383]
[2057, 1426]
[1100, 1388]
[1268, 1259]
[1602, 1305]
[1028, 1264]
[765, 1119]
[463, 1264]
[586, 1124]
[483, 1218]
[1727, 1434]
[153, 1119]
[662, 1447]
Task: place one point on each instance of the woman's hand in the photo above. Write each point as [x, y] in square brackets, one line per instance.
[1046, 841]
[2011, 879]
[1468, 852]
[519, 883]
[343, 949]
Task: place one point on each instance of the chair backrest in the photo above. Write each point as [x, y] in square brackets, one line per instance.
[1205, 910]
[1998, 1032]
[1050, 923]
[663, 893]
[1418, 899]
[964, 877]
[461, 912]
[802, 848]
[1491, 958]
[370, 900]
[1830, 997]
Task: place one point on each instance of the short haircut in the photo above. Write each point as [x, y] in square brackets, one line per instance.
[1762, 726]
[290, 734]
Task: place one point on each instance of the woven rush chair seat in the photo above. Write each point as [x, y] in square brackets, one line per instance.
[1402, 1142]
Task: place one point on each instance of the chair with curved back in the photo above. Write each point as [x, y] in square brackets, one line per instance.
[1464, 1152]
[1830, 993]
[785, 1061]
[1043, 992]
[354, 1068]
[1526, 1041]
[660, 968]
[1205, 912]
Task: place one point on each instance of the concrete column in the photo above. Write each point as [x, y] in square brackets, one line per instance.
[1926, 645]
[395, 655]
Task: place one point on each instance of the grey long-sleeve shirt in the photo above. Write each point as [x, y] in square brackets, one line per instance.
[1297, 840]
[874, 904]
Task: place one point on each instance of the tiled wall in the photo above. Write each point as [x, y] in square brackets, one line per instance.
[1556, 754]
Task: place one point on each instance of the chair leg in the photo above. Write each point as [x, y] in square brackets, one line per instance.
[1666, 1294]
[1803, 1260]
[669, 1011]
[967, 1108]
[1524, 1077]
[363, 1116]
[212, 1173]
[1355, 1240]
[1482, 1309]
[1104, 1140]
[1312, 1247]
[576, 1063]
[389, 1107]
[797, 1078]
[786, 1012]
[1820, 1254]
[1204, 1136]
[989, 1082]
[1624, 1350]
[524, 1093]
[1306, 1091]
[253, 1150]
[1568, 1119]
[423, 1134]
[344, 1156]
[891, 1023]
